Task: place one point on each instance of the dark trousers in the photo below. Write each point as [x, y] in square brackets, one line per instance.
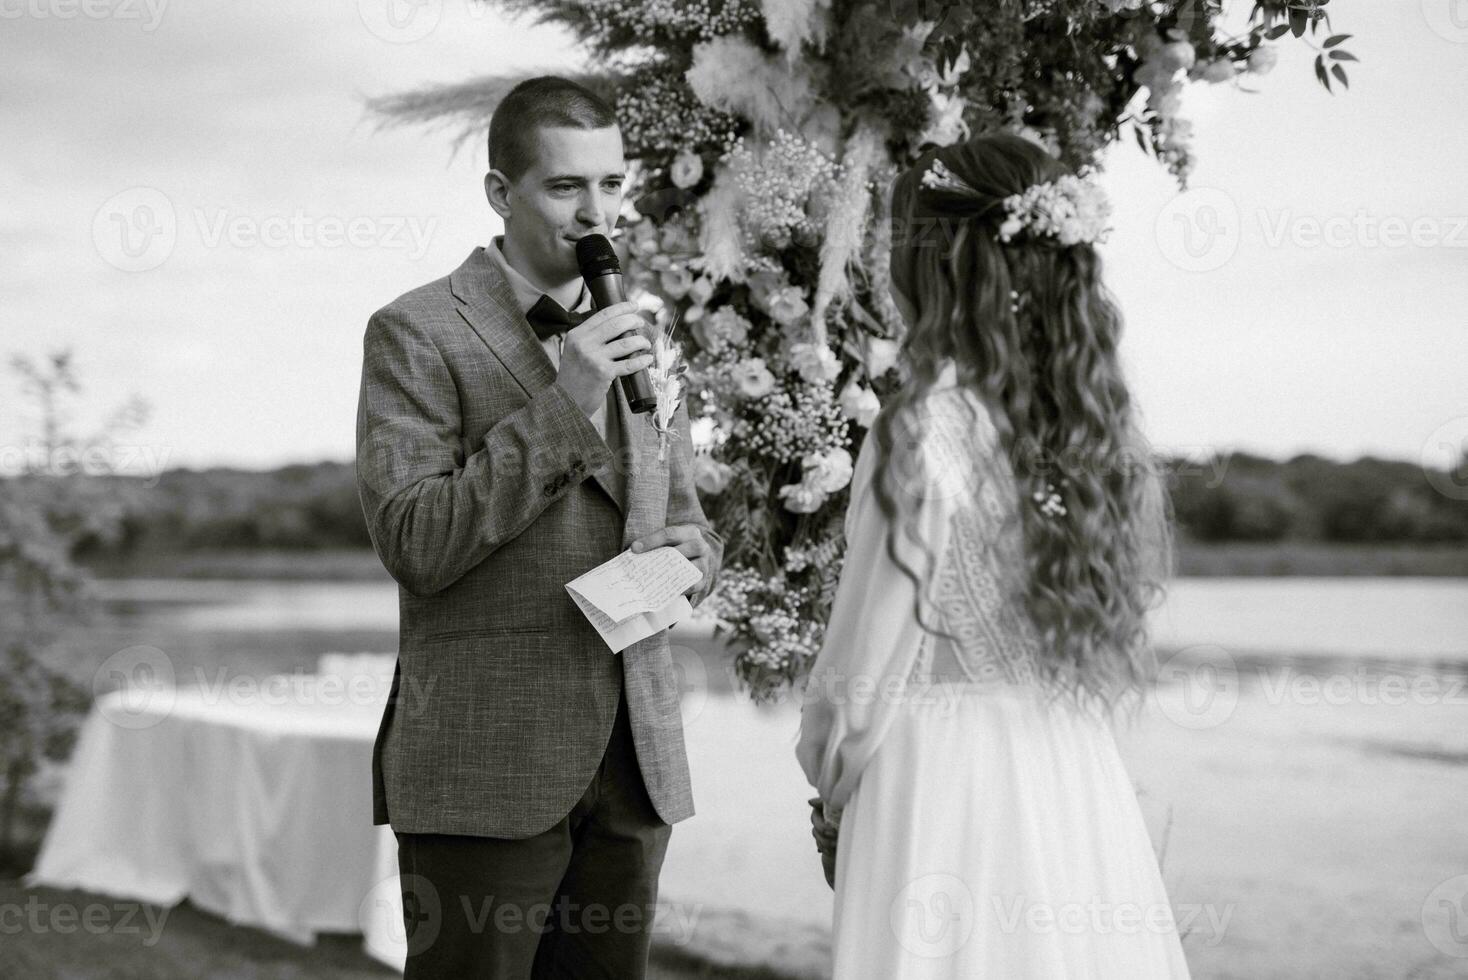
[575, 901]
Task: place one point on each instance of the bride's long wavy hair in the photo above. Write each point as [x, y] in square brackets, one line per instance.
[1032, 329]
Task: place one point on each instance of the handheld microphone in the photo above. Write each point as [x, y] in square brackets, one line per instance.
[603, 274]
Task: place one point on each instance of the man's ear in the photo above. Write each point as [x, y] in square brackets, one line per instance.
[497, 191]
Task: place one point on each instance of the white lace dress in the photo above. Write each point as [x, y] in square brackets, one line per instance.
[982, 833]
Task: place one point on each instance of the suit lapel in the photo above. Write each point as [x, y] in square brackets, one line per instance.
[487, 304]
[627, 449]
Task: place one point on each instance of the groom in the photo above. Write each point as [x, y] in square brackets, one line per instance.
[532, 785]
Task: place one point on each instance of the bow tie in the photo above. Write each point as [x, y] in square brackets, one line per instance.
[548, 318]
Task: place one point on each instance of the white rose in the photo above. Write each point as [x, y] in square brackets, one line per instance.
[787, 306]
[710, 475]
[828, 472]
[687, 169]
[677, 281]
[881, 356]
[801, 498]
[723, 326]
[945, 122]
[703, 432]
[815, 362]
[752, 378]
[859, 403]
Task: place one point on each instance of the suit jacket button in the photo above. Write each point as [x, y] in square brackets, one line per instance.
[550, 489]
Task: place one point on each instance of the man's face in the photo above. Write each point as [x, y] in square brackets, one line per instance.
[572, 189]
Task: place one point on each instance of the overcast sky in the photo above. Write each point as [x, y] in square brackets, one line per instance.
[198, 204]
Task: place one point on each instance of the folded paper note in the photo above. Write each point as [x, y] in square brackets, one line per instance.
[634, 596]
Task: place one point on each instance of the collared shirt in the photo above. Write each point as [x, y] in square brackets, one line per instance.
[527, 294]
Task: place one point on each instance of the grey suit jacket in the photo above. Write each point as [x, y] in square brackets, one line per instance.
[486, 489]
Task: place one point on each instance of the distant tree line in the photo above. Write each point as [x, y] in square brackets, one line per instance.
[1234, 498]
[1241, 497]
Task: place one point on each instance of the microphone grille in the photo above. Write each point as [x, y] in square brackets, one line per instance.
[596, 257]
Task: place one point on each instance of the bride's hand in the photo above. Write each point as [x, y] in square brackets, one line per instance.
[825, 834]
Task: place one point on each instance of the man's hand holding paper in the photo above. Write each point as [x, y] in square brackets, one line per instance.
[690, 543]
[636, 594]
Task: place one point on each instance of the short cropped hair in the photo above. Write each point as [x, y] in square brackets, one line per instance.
[534, 104]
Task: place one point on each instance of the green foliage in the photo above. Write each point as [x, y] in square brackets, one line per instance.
[44, 515]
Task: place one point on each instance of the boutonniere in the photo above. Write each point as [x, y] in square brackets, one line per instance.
[666, 375]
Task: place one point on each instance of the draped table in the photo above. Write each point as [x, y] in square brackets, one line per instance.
[250, 797]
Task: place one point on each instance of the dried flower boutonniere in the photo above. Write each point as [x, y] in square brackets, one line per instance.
[666, 375]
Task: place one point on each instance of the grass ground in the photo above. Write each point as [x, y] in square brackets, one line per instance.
[119, 944]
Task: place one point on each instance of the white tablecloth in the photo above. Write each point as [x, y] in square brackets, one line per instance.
[251, 798]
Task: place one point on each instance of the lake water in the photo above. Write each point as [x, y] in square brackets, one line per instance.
[1314, 807]
[1373, 617]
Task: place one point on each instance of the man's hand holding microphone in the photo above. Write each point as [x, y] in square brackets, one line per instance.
[596, 353]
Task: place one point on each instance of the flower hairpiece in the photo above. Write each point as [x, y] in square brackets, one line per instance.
[940, 178]
[1050, 501]
[1071, 209]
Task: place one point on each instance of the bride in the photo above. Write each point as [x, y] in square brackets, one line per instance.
[1005, 537]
